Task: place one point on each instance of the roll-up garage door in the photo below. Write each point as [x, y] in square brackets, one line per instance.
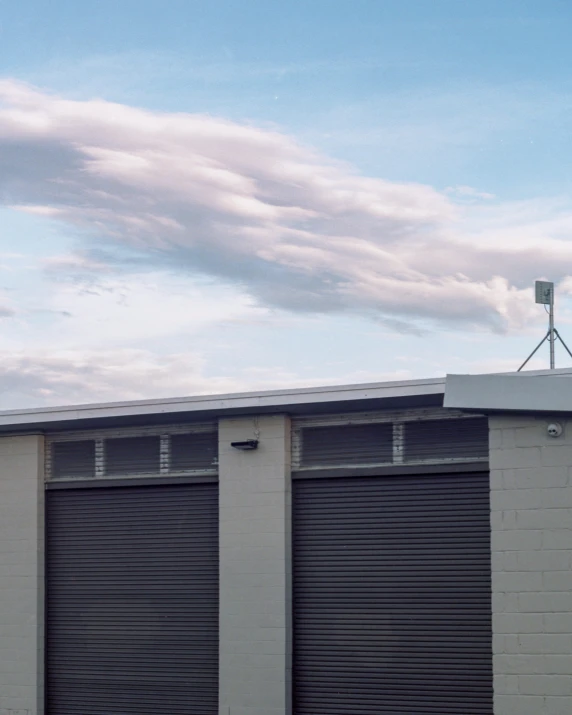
[132, 600]
[392, 595]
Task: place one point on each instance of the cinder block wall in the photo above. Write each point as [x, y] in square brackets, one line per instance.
[255, 568]
[21, 575]
[531, 519]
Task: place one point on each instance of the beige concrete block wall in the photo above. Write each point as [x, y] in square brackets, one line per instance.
[255, 568]
[531, 519]
[21, 575]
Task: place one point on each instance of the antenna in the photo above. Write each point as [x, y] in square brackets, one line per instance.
[544, 294]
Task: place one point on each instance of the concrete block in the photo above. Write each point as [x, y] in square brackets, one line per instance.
[537, 434]
[553, 602]
[250, 710]
[497, 561]
[545, 684]
[549, 519]
[510, 421]
[496, 479]
[519, 664]
[517, 623]
[557, 581]
[507, 479]
[557, 705]
[530, 435]
[544, 560]
[517, 581]
[498, 602]
[253, 500]
[544, 643]
[558, 623]
[495, 438]
[557, 664]
[499, 645]
[556, 498]
[509, 519]
[516, 540]
[506, 684]
[558, 454]
[557, 539]
[517, 458]
[537, 478]
[509, 439]
[523, 499]
[518, 704]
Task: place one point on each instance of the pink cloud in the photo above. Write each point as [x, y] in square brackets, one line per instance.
[254, 207]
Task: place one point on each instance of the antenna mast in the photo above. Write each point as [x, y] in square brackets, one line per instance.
[544, 293]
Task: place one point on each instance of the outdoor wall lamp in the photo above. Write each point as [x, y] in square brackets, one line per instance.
[246, 446]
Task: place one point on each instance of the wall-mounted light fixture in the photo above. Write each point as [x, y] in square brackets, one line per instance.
[246, 446]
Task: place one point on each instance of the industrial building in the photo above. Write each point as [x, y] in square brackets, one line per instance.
[398, 548]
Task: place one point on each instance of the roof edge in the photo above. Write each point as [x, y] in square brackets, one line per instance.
[546, 391]
[219, 404]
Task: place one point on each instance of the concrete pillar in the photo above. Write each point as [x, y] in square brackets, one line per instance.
[255, 568]
[531, 519]
[21, 575]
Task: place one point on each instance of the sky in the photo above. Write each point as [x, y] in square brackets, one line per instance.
[251, 194]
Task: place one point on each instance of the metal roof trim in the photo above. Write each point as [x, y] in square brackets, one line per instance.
[220, 404]
[546, 391]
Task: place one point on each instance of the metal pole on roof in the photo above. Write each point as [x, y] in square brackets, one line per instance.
[544, 294]
[551, 327]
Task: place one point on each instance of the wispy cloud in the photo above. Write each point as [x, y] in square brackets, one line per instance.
[6, 311]
[468, 193]
[253, 207]
[54, 377]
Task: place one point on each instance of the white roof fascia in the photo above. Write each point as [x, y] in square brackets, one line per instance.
[223, 403]
[546, 391]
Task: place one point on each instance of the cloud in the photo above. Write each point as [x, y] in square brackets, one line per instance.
[35, 378]
[251, 206]
[79, 266]
[7, 310]
[55, 377]
[121, 311]
[468, 193]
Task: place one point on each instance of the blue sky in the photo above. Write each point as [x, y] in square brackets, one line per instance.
[202, 197]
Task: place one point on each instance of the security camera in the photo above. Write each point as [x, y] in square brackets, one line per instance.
[554, 429]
